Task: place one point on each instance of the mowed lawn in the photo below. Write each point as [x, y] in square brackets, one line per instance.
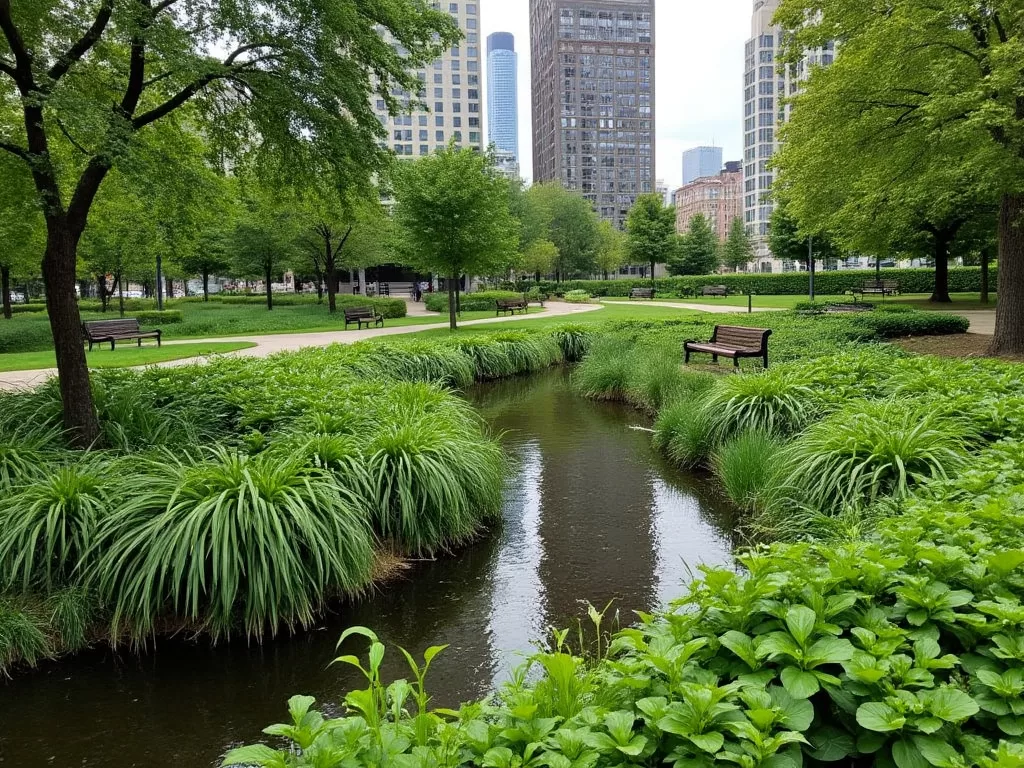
[961, 301]
[124, 356]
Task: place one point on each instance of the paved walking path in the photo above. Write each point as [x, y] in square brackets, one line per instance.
[267, 345]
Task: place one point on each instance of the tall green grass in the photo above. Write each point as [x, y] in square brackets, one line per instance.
[747, 465]
[874, 449]
[21, 638]
[605, 372]
[772, 402]
[684, 433]
[220, 537]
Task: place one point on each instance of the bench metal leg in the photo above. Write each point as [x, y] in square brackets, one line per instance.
[766, 360]
[112, 342]
[736, 362]
[687, 360]
[140, 343]
[714, 359]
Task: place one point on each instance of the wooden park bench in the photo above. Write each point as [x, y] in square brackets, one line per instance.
[642, 293]
[511, 306]
[714, 290]
[879, 288]
[362, 316]
[127, 329]
[733, 341]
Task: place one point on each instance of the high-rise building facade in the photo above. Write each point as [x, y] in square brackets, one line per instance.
[503, 93]
[451, 88]
[766, 87]
[701, 162]
[719, 198]
[593, 99]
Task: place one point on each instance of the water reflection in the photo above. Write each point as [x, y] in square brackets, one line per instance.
[591, 514]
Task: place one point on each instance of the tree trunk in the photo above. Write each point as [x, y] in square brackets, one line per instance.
[170, 288]
[270, 293]
[206, 284]
[331, 275]
[452, 313]
[319, 287]
[652, 272]
[1009, 336]
[941, 292]
[5, 287]
[101, 286]
[80, 421]
[362, 281]
[120, 293]
[159, 283]
[986, 258]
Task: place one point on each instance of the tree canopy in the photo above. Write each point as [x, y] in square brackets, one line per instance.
[83, 82]
[453, 215]
[738, 248]
[927, 93]
[651, 231]
[569, 221]
[697, 252]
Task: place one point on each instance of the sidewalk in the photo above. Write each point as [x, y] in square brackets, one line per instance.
[288, 342]
[713, 309]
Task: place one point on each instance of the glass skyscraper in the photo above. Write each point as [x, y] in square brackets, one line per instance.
[503, 93]
[701, 163]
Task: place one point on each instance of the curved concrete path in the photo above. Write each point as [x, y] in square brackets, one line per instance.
[714, 309]
[271, 344]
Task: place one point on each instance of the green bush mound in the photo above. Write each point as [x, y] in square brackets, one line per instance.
[166, 317]
[480, 301]
[831, 283]
[902, 648]
[238, 497]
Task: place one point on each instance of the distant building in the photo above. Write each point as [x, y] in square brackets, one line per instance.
[507, 164]
[503, 93]
[451, 91]
[701, 162]
[718, 197]
[764, 111]
[593, 99]
[662, 189]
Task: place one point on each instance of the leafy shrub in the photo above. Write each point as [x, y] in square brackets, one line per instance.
[891, 325]
[834, 283]
[166, 317]
[747, 466]
[481, 301]
[575, 341]
[577, 297]
[606, 370]
[264, 538]
[870, 450]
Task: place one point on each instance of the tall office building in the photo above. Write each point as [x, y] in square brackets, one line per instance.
[766, 87]
[700, 163]
[719, 197]
[451, 91]
[593, 99]
[502, 93]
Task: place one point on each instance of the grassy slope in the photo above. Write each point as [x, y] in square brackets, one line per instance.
[122, 357]
[961, 301]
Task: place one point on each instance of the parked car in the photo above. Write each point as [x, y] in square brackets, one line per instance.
[17, 298]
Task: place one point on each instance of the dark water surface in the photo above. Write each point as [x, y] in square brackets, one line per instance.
[591, 514]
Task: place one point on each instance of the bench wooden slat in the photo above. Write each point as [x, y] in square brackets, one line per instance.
[733, 341]
[641, 293]
[511, 306]
[122, 329]
[362, 316]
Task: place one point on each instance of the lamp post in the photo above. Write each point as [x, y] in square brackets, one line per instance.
[810, 263]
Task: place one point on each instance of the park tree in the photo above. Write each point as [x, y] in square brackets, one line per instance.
[265, 240]
[21, 229]
[738, 248]
[612, 250]
[927, 74]
[568, 220]
[651, 231]
[453, 213]
[85, 81]
[539, 258]
[697, 251]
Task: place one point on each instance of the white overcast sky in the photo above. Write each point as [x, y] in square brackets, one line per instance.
[699, 73]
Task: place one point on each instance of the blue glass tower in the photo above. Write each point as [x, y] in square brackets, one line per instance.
[502, 93]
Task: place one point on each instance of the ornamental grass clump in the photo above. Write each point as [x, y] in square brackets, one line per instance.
[48, 526]
[747, 465]
[684, 433]
[224, 537]
[874, 449]
[774, 402]
[21, 637]
[575, 341]
[604, 373]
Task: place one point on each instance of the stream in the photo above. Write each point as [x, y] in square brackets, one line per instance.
[591, 514]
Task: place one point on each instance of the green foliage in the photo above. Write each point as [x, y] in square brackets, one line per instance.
[748, 466]
[569, 221]
[870, 450]
[772, 402]
[167, 317]
[832, 283]
[697, 250]
[265, 538]
[738, 249]
[604, 373]
[684, 433]
[453, 213]
[48, 526]
[577, 297]
[651, 231]
[21, 637]
[480, 301]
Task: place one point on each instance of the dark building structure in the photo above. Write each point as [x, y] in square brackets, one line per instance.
[593, 99]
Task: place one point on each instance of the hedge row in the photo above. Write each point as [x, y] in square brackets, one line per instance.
[481, 301]
[167, 317]
[961, 280]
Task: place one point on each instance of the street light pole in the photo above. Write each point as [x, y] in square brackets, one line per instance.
[810, 262]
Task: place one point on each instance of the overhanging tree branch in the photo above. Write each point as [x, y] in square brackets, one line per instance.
[84, 43]
[8, 69]
[15, 150]
[22, 56]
